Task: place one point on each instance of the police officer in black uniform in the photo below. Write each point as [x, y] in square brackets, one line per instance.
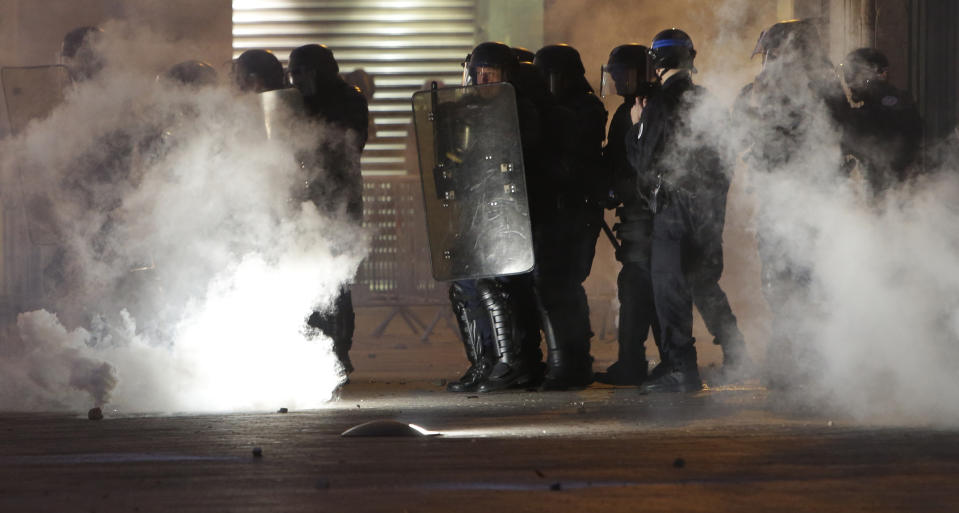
[496, 315]
[472, 318]
[192, 73]
[257, 71]
[674, 179]
[567, 215]
[780, 116]
[314, 72]
[882, 130]
[626, 74]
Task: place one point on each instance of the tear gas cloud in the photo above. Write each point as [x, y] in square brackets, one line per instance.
[184, 260]
[875, 333]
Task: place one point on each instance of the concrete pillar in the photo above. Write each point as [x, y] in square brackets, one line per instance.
[852, 24]
[785, 9]
[514, 22]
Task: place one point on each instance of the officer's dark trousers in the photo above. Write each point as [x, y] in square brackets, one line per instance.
[705, 268]
[637, 311]
[786, 279]
[672, 293]
[564, 257]
[338, 323]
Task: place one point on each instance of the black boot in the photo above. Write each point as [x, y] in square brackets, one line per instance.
[565, 368]
[672, 378]
[510, 369]
[475, 375]
[480, 365]
[623, 374]
[737, 365]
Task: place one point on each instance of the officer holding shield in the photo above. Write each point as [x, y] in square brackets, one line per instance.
[476, 144]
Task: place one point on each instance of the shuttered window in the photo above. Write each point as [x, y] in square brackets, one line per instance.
[401, 43]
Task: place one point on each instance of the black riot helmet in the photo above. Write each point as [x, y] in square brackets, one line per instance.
[78, 52]
[529, 82]
[627, 72]
[522, 54]
[792, 41]
[491, 62]
[672, 49]
[192, 73]
[310, 67]
[864, 68]
[257, 71]
[562, 69]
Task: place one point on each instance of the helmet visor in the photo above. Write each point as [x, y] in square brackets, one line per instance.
[619, 80]
[480, 74]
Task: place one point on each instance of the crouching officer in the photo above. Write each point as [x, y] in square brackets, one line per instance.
[882, 130]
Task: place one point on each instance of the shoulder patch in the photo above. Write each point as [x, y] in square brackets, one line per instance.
[889, 101]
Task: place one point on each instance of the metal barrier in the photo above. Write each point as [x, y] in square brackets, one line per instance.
[397, 273]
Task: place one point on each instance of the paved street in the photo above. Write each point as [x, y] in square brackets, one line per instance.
[602, 449]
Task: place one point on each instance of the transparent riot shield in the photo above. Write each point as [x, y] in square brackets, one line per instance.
[474, 184]
[32, 92]
[281, 109]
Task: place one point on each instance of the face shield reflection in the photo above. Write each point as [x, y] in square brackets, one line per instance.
[486, 75]
[466, 80]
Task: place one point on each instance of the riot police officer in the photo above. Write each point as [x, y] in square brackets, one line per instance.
[495, 314]
[567, 215]
[882, 130]
[781, 116]
[257, 71]
[314, 72]
[626, 74]
[674, 180]
[192, 73]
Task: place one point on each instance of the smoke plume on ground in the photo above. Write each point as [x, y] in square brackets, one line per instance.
[874, 327]
[877, 338]
[178, 256]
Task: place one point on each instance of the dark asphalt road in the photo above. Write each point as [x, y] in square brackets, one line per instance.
[602, 449]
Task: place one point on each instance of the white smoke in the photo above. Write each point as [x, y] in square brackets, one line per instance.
[878, 337]
[189, 261]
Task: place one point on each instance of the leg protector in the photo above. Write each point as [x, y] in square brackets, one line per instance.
[510, 370]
